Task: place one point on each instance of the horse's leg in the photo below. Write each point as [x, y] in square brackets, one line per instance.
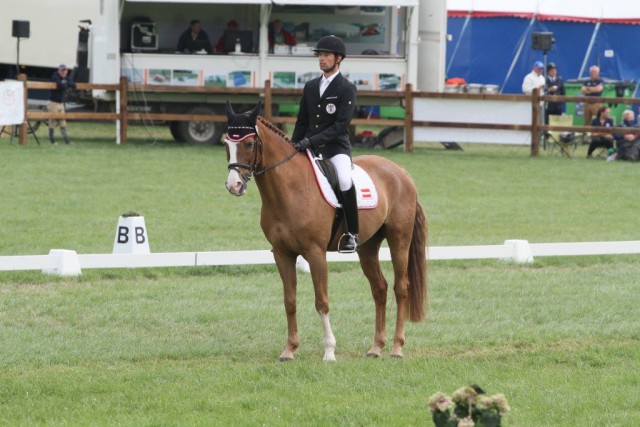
[369, 261]
[319, 274]
[399, 241]
[286, 263]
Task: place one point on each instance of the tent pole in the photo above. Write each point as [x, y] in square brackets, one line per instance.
[517, 55]
[589, 49]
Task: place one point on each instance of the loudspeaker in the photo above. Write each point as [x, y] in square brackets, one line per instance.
[20, 29]
[542, 41]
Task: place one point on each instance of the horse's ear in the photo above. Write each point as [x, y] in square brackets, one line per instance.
[254, 114]
[229, 111]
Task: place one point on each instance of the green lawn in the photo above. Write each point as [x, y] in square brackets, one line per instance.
[198, 346]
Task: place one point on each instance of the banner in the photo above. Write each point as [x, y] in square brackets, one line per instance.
[11, 103]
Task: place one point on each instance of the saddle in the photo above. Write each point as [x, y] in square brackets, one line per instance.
[329, 171]
[327, 179]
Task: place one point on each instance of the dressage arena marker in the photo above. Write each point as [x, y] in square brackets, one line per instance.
[131, 235]
[65, 262]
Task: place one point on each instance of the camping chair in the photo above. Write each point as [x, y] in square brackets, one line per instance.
[564, 142]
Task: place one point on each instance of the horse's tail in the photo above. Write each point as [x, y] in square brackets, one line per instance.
[418, 287]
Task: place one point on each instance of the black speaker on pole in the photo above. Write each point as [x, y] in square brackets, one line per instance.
[20, 29]
[542, 41]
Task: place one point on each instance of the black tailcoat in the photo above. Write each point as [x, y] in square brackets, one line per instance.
[325, 120]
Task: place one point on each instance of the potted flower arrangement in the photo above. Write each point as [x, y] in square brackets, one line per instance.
[468, 407]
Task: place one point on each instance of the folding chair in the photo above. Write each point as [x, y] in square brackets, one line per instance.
[564, 142]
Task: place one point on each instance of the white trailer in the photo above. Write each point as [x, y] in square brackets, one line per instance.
[389, 43]
[53, 26]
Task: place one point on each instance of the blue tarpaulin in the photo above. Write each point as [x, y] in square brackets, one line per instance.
[497, 49]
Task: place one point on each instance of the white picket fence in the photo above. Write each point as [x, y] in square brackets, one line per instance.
[68, 262]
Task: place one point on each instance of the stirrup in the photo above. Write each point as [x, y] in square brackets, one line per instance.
[343, 245]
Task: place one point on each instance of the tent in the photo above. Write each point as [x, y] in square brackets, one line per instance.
[491, 39]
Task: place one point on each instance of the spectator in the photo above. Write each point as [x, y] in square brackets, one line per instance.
[554, 86]
[534, 79]
[63, 81]
[628, 143]
[280, 36]
[231, 25]
[592, 87]
[194, 33]
[601, 139]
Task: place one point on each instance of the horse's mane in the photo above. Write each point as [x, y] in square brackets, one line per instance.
[274, 129]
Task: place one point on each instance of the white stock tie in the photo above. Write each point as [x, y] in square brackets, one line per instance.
[323, 85]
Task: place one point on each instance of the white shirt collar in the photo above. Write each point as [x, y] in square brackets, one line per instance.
[330, 78]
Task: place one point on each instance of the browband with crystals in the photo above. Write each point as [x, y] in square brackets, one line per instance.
[240, 133]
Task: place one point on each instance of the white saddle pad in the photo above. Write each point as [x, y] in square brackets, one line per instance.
[366, 192]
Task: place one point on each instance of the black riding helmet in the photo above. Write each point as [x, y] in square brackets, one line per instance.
[331, 44]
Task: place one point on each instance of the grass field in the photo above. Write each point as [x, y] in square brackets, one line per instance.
[198, 346]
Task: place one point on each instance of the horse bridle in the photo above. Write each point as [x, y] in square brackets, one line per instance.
[254, 163]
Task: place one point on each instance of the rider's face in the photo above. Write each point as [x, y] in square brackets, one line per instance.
[327, 61]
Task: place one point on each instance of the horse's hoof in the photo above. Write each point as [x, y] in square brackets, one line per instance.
[397, 356]
[329, 357]
[285, 359]
[373, 355]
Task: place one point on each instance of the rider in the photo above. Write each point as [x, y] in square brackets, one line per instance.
[326, 109]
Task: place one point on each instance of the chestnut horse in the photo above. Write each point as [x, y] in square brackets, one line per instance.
[297, 221]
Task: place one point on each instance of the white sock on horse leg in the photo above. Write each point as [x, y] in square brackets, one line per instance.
[329, 339]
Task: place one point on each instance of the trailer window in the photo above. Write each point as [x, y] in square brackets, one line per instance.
[366, 30]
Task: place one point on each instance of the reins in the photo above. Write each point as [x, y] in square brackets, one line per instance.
[272, 167]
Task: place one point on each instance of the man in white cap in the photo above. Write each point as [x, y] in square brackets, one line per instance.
[63, 81]
[534, 79]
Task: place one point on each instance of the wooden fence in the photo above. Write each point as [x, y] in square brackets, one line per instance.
[405, 98]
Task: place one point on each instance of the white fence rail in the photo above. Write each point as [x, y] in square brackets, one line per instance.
[66, 262]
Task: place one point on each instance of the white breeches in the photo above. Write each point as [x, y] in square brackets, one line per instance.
[342, 163]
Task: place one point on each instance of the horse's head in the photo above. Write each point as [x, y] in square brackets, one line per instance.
[242, 148]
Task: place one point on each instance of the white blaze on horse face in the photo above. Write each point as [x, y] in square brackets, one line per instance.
[235, 183]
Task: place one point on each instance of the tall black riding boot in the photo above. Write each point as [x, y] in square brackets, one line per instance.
[51, 136]
[63, 131]
[349, 240]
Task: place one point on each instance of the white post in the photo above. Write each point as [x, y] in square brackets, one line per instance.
[68, 263]
[521, 251]
[303, 265]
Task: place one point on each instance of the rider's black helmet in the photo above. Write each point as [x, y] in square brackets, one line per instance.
[331, 44]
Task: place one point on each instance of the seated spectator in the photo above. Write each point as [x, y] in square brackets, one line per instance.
[628, 143]
[601, 139]
[219, 48]
[278, 35]
[193, 33]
